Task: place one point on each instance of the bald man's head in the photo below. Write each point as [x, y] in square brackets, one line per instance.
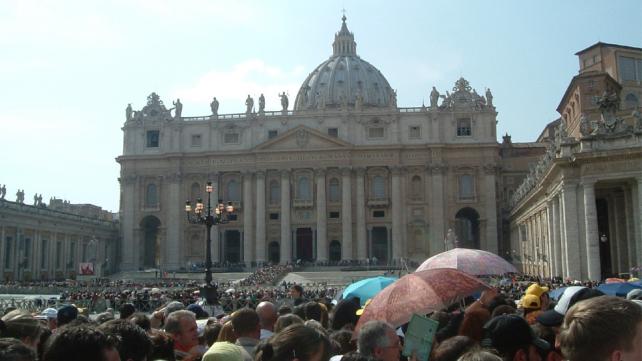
[267, 315]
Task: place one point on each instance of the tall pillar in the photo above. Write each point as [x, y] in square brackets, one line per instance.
[562, 233]
[248, 218]
[260, 216]
[549, 236]
[322, 217]
[614, 249]
[438, 224]
[128, 254]
[362, 248]
[571, 232]
[286, 240]
[397, 242]
[214, 235]
[631, 229]
[620, 232]
[556, 239]
[346, 214]
[175, 219]
[490, 209]
[591, 234]
[3, 247]
[638, 243]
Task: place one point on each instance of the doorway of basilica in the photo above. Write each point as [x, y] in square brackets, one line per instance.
[304, 246]
[232, 249]
[150, 250]
[467, 228]
[380, 244]
[274, 252]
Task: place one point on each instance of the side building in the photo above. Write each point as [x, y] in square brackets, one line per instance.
[578, 213]
[56, 241]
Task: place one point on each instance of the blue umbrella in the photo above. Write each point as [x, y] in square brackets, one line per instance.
[617, 289]
[367, 288]
[556, 293]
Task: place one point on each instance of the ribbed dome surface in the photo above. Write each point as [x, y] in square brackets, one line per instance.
[344, 78]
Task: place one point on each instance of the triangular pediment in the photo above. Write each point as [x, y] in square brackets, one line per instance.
[303, 138]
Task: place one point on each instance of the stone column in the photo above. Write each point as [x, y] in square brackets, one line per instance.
[175, 219]
[362, 248]
[438, 224]
[3, 246]
[397, 242]
[248, 218]
[215, 236]
[346, 214]
[556, 239]
[571, 232]
[591, 233]
[550, 236]
[620, 232]
[490, 209]
[322, 217]
[631, 229]
[128, 222]
[286, 241]
[638, 243]
[260, 216]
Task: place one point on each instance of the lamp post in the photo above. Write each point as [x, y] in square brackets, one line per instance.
[209, 217]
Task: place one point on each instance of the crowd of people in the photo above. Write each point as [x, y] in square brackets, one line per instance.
[516, 320]
[266, 275]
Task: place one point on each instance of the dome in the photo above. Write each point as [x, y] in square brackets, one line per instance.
[343, 79]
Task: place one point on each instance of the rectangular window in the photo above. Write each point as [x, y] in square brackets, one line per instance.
[43, 254]
[197, 140]
[639, 69]
[414, 132]
[463, 128]
[58, 254]
[333, 132]
[274, 216]
[7, 252]
[153, 138]
[334, 215]
[378, 214]
[231, 138]
[466, 187]
[272, 134]
[627, 68]
[376, 133]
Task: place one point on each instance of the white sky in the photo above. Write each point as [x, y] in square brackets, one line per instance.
[69, 68]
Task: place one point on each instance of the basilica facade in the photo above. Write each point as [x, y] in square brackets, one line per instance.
[344, 175]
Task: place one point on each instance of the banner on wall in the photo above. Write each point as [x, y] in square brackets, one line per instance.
[86, 269]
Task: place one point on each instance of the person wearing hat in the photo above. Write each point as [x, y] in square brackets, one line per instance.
[223, 351]
[66, 314]
[49, 315]
[513, 339]
[531, 305]
[541, 293]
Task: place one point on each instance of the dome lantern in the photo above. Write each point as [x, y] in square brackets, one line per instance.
[344, 43]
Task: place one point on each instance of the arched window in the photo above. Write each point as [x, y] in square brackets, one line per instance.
[631, 101]
[415, 187]
[275, 192]
[151, 195]
[233, 191]
[303, 189]
[334, 190]
[378, 187]
[195, 192]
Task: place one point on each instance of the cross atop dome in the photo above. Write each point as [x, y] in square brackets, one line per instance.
[344, 43]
